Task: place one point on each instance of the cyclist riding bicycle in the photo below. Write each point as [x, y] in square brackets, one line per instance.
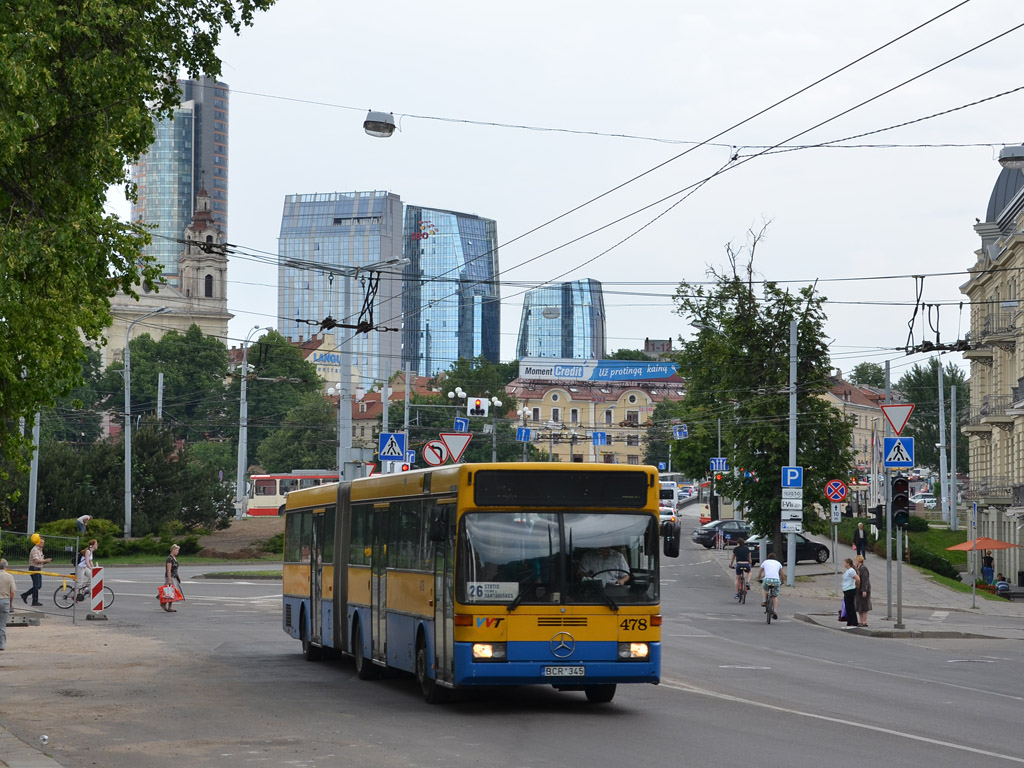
[740, 560]
[771, 573]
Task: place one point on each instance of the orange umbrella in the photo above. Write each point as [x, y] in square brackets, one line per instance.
[983, 542]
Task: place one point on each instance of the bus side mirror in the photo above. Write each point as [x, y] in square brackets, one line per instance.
[439, 527]
[670, 545]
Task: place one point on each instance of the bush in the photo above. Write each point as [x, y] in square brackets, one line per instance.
[274, 544]
[917, 524]
[928, 559]
[108, 537]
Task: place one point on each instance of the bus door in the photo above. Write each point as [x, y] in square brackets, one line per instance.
[316, 551]
[444, 591]
[379, 585]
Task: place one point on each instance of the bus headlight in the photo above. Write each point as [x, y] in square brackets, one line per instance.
[633, 651]
[489, 651]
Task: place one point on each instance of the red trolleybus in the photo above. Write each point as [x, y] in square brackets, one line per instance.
[267, 492]
[482, 575]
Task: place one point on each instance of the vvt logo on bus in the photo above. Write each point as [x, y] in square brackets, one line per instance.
[494, 623]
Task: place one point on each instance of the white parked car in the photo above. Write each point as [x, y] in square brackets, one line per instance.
[928, 499]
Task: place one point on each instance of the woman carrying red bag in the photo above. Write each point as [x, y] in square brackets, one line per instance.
[170, 576]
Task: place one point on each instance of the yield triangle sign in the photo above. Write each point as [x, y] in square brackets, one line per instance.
[456, 443]
[898, 415]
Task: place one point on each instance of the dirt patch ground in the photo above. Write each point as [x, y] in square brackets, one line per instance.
[242, 539]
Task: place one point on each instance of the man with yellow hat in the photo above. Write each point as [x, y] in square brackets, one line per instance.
[36, 561]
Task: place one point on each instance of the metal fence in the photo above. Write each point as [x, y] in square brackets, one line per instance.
[63, 550]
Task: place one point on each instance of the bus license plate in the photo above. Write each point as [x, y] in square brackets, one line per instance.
[565, 671]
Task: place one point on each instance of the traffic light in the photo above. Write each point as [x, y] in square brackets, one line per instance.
[478, 406]
[406, 467]
[900, 501]
[878, 516]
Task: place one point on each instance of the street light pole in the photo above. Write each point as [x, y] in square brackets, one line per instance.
[243, 429]
[522, 414]
[495, 405]
[128, 419]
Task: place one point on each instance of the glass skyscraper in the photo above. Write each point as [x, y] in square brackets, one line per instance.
[563, 320]
[451, 298]
[322, 236]
[190, 153]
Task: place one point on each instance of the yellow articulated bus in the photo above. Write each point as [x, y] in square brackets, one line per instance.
[482, 575]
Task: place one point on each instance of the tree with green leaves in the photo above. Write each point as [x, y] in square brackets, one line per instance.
[629, 354]
[193, 367]
[868, 375]
[308, 438]
[737, 374]
[920, 386]
[81, 84]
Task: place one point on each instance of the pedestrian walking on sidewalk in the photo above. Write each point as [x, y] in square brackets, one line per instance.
[860, 540]
[863, 599]
[850, 583]
[36, 561]
[6, 601]
[170, 575]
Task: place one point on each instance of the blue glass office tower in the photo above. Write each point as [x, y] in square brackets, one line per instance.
[340, 230]
[190, 153]
[451, 297]
[563, 320]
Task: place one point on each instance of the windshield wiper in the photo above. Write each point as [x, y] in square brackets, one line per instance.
[608, 599]
[519, 598]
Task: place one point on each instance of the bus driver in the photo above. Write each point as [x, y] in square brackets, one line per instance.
[605, 564]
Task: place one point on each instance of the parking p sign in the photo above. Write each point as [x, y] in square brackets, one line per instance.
[792, 477]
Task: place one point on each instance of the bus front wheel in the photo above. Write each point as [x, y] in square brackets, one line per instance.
[600, 694]
[432, 692]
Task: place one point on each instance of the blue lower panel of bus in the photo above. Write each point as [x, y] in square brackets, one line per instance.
[533, 662]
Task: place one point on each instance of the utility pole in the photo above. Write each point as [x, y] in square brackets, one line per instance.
[243, 429]
[943, 481]
[791, 543]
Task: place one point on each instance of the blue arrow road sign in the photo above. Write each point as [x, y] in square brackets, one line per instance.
[719, 464]
[522, 434]
[680, 432]
[410, 457]
[792, 477]
[391, 446]
[600, 438]
[461, 424]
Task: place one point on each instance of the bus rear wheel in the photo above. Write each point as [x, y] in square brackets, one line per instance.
[432, 692]
[365, 670]
[599, 694]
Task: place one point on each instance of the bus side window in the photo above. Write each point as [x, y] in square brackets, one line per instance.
[293, 537]
[266, 487]
[361, 534]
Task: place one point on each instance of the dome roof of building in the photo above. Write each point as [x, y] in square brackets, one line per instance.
[1006, 188]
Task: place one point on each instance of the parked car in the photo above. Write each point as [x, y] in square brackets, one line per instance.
[805, 549]
[928, 499]
[731, 530]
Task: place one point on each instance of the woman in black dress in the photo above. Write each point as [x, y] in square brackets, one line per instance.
[170, 576]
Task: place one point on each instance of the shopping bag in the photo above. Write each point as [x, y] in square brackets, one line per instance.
[842, 611]
[169, 594]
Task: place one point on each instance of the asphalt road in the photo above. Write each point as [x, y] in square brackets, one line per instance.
[219, 684]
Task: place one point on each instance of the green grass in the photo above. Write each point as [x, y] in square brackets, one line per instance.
[245, 575]
[957, 586]
[937, 539]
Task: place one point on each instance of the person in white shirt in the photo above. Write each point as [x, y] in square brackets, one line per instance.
[605, 564]
[771, 574]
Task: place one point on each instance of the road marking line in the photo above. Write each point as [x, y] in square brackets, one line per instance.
[681, 686]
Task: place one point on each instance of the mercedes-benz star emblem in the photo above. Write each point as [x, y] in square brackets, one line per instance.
[562, 645]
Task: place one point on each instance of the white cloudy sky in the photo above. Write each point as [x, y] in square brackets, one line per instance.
[681, 71]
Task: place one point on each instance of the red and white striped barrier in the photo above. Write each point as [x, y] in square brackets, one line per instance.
[96, 604]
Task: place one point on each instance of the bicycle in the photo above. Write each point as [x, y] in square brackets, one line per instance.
[769, 600]
[744, 581]
[67, 595]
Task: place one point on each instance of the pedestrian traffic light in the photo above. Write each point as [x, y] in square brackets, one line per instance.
[406, 467]
[900, 501]
[478, 406]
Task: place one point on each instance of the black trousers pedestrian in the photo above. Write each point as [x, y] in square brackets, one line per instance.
[851, 612]
[37, 584]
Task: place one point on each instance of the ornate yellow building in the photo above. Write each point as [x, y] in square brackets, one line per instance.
[995, 421]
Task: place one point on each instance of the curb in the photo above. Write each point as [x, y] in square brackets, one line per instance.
[896, 633]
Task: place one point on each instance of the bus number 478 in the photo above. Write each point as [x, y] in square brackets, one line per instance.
[633, 624]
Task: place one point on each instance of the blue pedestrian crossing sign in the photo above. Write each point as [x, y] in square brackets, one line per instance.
[599, 438]
[898, 452]
[522, 434]
[391, 446]
[680, 432]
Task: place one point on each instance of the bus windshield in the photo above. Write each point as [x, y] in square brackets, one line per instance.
[576, 558]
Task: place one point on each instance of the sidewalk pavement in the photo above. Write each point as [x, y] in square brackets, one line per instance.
[15, 753]
[929, 609]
